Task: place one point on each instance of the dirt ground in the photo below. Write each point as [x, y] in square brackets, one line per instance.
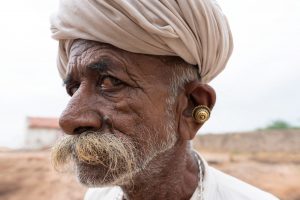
[27, 175]
[281, 178]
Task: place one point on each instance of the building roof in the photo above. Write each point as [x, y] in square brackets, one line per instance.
[43, 122]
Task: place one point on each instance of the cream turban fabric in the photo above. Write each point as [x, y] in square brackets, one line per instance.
[195, 30]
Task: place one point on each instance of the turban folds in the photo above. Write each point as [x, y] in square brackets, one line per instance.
[195, 30]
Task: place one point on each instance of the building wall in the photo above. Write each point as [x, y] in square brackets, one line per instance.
[38, 138]
[259, 141]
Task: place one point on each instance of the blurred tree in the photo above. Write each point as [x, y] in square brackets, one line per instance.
[279, 124]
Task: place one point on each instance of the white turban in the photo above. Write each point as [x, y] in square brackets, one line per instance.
[195, 30]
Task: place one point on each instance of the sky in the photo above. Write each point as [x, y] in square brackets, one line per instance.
[259, 85]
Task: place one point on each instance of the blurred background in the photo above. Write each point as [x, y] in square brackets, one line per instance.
[253, 132]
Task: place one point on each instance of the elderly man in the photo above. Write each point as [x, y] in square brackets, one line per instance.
[137, 73]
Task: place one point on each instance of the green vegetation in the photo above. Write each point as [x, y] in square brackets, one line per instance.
[279, 125]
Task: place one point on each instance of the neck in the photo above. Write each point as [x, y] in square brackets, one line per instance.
[171, 175]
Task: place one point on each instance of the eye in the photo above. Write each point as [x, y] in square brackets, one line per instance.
[72, 88]
[109, 82]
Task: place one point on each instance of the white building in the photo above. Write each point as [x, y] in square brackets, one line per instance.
[41, 132]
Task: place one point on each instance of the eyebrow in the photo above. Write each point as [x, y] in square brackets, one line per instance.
[101, 65]
[67, 80]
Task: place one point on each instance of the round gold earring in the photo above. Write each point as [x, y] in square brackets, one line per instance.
[201, 113]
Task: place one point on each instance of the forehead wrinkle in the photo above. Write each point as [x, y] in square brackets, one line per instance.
[90, 56]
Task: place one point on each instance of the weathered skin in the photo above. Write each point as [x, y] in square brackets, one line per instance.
[138, 99]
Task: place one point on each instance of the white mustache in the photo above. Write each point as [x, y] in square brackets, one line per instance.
[95, 148]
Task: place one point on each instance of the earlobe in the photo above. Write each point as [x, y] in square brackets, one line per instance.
[199, 100]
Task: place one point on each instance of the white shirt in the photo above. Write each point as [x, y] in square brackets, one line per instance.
[216, 186]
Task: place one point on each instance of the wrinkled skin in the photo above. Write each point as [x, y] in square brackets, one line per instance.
[126, 92]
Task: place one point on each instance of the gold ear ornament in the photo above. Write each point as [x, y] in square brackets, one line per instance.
[201, 113]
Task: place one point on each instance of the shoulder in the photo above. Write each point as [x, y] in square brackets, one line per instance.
[103, 193]
[228, 187]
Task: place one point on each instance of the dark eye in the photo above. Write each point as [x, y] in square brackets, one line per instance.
[71, 89]
[109, 82]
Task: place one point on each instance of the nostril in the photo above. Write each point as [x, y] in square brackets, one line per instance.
[80, 130]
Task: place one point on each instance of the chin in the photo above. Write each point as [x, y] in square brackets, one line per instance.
[100, 176]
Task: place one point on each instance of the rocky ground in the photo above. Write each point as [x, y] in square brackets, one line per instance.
[27, 175]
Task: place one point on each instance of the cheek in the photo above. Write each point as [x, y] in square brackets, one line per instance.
[138, 119]
[136, 113]
[126, 117]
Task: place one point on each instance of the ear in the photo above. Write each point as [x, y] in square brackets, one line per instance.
[195, 93]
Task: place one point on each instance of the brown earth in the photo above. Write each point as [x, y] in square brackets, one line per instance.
[279, 178]
[28, 175]
[269, 160]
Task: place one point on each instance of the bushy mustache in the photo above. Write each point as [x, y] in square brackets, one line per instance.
[114, 154]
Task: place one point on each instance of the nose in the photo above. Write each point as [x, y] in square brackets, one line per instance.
[74, 122]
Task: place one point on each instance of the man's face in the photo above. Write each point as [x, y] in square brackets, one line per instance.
[118, 113]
